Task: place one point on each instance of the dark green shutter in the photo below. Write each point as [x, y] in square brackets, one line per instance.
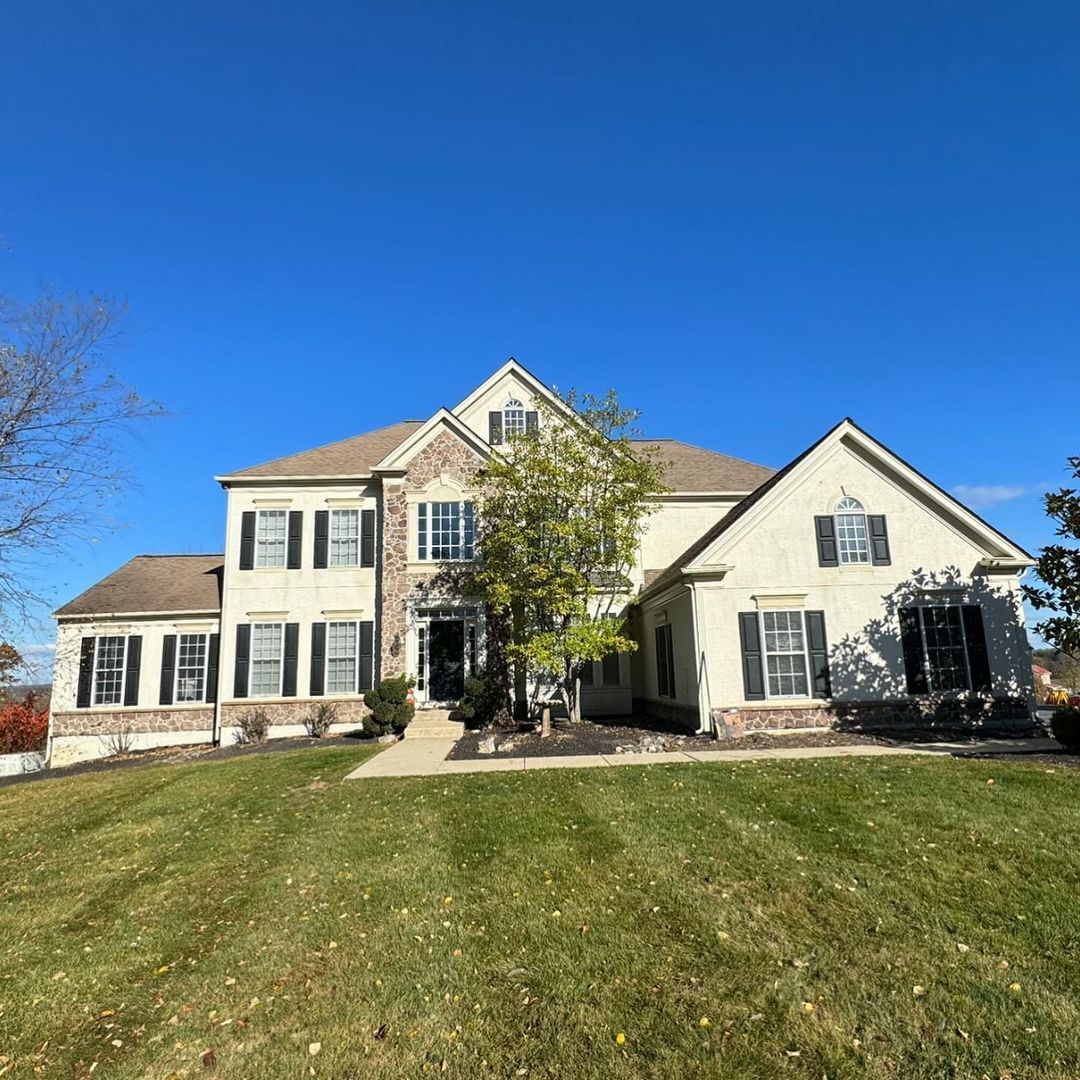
[978, 660]
[318, 659]
[367, 537]
[367, 655]
[247, 540]
[296, 540]
[532, 422]
[292, 658]
[495, 429]
[168, 669]
[879, 540]
[322, 539]
[134, 662]
[86, 673]
[750, 644]
[912, 644]
[213, 649]
[825, 533]
[242, 660]
[819, 654]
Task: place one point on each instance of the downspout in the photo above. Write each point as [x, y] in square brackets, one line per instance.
[215, 727]
[701, 663]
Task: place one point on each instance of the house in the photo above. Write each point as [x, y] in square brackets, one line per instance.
[1041, 676]
[846, 586]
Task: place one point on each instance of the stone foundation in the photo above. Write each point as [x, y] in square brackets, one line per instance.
[147, 721]
[350, 711]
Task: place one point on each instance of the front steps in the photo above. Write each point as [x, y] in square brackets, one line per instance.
[434, 724]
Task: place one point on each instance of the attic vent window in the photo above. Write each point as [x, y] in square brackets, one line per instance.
[513, 418]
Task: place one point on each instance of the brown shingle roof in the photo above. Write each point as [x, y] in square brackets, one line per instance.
[355, 456]
[692, 468]
[154, 583]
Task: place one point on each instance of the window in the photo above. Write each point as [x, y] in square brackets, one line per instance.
[267, 645]
[444, 530]
[610, 668]
[421, 656]
[344, 537]
[513, 418]
[785, 654]
[270, 534]
[945, 648]
[852, 545]
[341, 657]
[109, 670]
[190, 667]
[665, 662]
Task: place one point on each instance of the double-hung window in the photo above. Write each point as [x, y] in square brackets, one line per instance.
[444, 531]
[191, 656]
[784, 642]
[852, 544]
[342, 641]
[267, 656]
[344, 537]
[271, 530]
[109, 657]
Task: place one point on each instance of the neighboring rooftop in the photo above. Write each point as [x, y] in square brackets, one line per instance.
[692, 468]
[154, 583]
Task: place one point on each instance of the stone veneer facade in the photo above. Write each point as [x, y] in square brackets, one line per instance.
[350, 710]
[446, 456]
[153, 721]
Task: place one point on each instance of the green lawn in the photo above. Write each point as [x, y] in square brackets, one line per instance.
[755, 920]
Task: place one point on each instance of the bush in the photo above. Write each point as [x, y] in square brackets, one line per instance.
[254, 727]
[24, 726]
[318, 721]
[1065, 726]
[391, 709]
[486, 702]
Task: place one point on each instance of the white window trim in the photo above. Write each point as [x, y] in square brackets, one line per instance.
[201, 699]
[837, 514]
[427, 558]
[808, 696]
[514, 405]
[260, 513]
[281, 660]
[326, 660]
[927, 671]
[123, 673]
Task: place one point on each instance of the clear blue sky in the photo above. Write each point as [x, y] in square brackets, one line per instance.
[751, 219]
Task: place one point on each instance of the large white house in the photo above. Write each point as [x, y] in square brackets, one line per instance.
[846, 587]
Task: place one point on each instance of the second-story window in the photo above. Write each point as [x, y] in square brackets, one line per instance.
[344, 537]
[444, 531]
[513, 418]
[271, 530]
[852, 544]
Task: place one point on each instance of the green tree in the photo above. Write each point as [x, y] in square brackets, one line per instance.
[561, 511]
[1058, 569]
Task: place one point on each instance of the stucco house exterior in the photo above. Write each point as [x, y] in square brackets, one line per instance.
[844, 587]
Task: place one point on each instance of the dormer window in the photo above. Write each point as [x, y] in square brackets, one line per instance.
[852, 543]
[513, 418]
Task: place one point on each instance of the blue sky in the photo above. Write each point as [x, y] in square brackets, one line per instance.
[752, 219]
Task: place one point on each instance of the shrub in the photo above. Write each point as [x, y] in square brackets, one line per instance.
[118, 742]
[1065, 726]
[24, 726]
[254, 727]
[319, 719]
[391, 709]
[486, 701]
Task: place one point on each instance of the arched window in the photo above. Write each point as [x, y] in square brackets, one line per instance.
[852, 545]
[513, 418]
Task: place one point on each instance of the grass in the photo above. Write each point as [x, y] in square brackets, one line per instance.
[754, 920]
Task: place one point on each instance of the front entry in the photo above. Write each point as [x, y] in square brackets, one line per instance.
[446, 659]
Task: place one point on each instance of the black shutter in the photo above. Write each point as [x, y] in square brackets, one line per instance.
[879, 540]
[663, 675]
[318, 658]
[367, 655]
[322, 539]
[247, 540]
[750, 643]
[134, 662]
[978, 660]
[292, 656]
[86, 673]
[825, 532]
[367, 537]
[532, 422]
[912, 645]
[243, 657]
[213, 648]
[495, 427]
[168, 669]
[819, 654]
[296, 540]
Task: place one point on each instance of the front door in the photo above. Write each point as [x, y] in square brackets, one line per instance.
[446, 659]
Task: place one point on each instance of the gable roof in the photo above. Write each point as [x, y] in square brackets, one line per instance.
[401, 454]
[158, 584]
[846, 426]
[513, 367]
[347, 458]
[695, 469]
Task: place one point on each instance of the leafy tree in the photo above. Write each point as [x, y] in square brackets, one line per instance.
[61, 415]
[561, 511]
[1058, 569]
[11, 663]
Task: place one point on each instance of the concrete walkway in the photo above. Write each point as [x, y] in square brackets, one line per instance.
[427, 757]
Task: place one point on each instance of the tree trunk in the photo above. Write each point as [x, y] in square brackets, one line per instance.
[545, 721]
